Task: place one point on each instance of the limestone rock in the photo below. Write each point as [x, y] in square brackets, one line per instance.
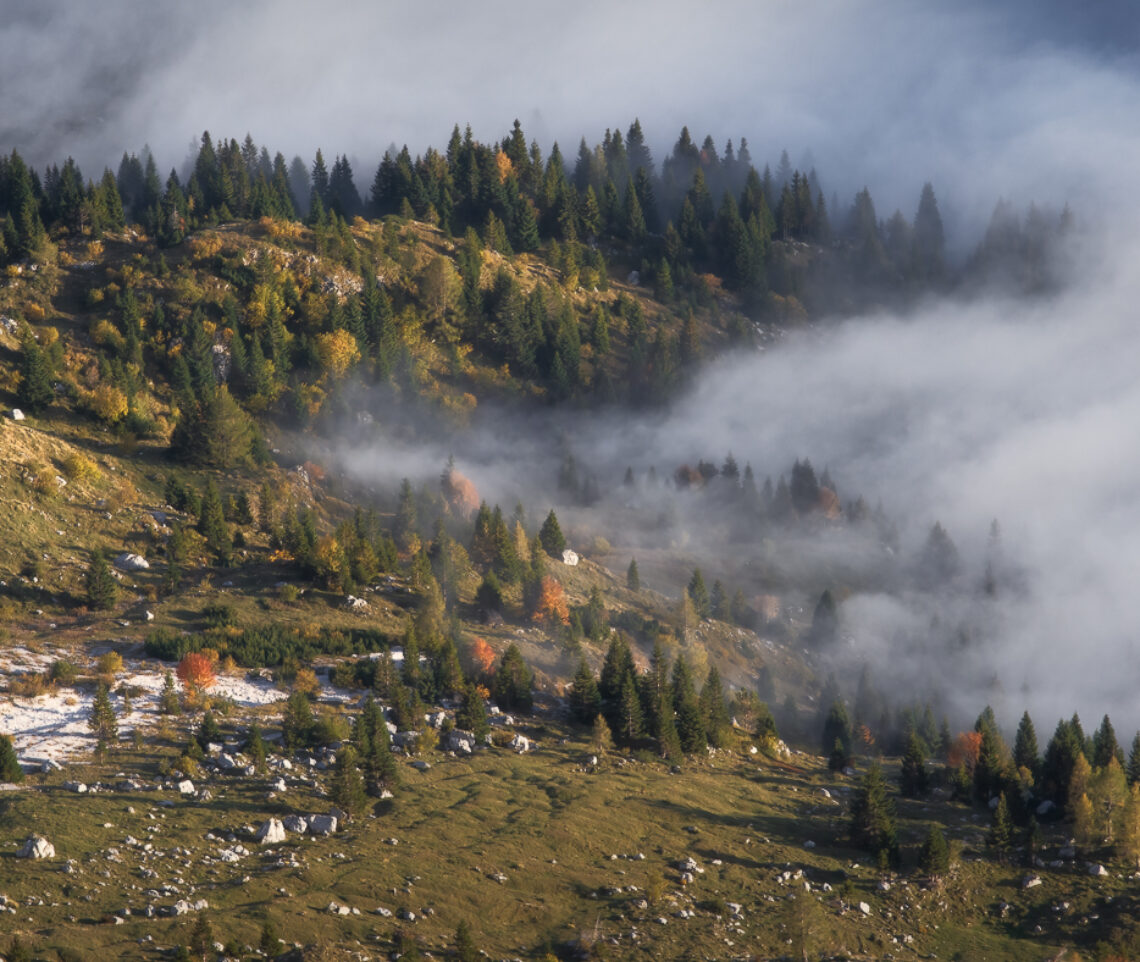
[36, 847]
[271, 832]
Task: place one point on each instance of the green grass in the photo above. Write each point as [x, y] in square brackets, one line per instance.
[547, 825]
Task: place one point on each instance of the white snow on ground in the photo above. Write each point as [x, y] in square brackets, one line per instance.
[55, 725]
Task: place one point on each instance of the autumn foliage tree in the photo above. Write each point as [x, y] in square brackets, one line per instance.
[196, 672]
[551, 608]
[482, 657]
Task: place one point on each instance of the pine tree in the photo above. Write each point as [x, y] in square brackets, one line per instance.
[837, 731]
[1134, 761]
[990, 768]
[632, 577]
[465, 950]
[873, 816]
[213, 527]
[347, 785]
[297, 722]
[10, 770]
[102, 720]
[255, 748]
[585, 699]
[1025, 753]
[934, 856]
[631, 724]
[551, 537]
[912, 774]
[100, 589]
[472, 713]
[168, 701]
[698, 594]
[1105, 746]
[824, 631]
[718, 725]
[1000, 836]
[35, 391]
[1129, 844]
[513, 682]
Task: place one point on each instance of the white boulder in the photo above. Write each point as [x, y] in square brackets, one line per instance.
[36, 847]
[271, 832]
[569, 557]
[128, 561]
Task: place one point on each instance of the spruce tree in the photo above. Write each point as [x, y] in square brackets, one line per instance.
[1134, 761]
[1000, 836]
[837, 730]
[912, 774]
[347, 784]
[718, 725]
[213, 527]
[698, 594]
[255, 748]
[168, 701]
[35, 391]
[585, 700]
[1025, 752]
[632, 577]
[465, 950]
[297, 722]
[102, 720]
[551, 537]
[934, 856]
[513, 682]
[1105, 747]
[100, 589]
[631, 723]
[873, 816]
[472, 713]
[10, 770]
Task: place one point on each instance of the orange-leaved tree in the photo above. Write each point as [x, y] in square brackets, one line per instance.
[964, 750]
[551, 608]
[482, 656]
[196, 672]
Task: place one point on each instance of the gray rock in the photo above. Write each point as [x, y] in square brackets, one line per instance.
[36, 847]
[129, 561]
[271, 832]
[186, 787]
[322, 825]
[864, 908]
[295, 823]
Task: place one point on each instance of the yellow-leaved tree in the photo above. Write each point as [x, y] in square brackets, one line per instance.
[337, 351]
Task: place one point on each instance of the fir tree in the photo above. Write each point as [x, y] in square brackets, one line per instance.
[10, 770]
[168, 701]
[585, 699]
[632, 577]
[255, 747]
[837, 730]
[35, 391]
[698, 594]
[465, 950]
[1134, 761]
[472, 713]
[100, 589]
[551, 537]
[297, 723]
[513, 682]
[102, 720]
[347, 785]
[873, 816]
[934, 856]
[912, 775]
[1025, 752]
[1000, 836]
[714, 710]
[1105, 747]
[631, 724]
[213, 527]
